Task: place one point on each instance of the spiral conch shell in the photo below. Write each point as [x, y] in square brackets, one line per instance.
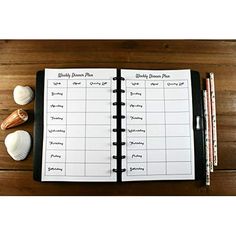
[18, 144]
[23, 94]
[16, 118]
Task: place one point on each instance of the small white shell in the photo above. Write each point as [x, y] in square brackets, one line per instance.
[18, 144]
[23, 94]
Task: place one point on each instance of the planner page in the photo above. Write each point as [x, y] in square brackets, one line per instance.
[159, 129]
[77, 133]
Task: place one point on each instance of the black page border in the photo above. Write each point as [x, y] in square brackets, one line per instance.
[199, 146]
[38, 126]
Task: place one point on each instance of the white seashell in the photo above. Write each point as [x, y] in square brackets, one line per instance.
[23, 94]
[18, 144]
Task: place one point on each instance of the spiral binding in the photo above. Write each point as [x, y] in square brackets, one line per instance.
[116, 143]
[115, 130]
[122, 91]
[116, 103]
[119, 171]
[119, 158]
[115, 117]
[116, 78]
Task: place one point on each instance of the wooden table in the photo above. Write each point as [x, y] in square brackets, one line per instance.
[19, 61]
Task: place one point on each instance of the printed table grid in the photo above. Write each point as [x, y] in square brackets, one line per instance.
[126, 128]
[155, 161]
[75, 162]
[146, 125]
[149, 87]
[45, 166]
[136, 99]
[85, 140]
[165, 129]
[189, 119]
[66, 122]
[128, 112]
[67, 100]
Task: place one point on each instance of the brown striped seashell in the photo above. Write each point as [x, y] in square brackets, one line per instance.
[16, 118]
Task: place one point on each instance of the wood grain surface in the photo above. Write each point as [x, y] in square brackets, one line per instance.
[20, 60]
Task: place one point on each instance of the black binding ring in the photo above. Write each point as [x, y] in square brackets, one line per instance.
[116, 143]
[121, 157]
[116, 103]
[115, 117]
[115, 130]
[121, 170]
[116, 78]
[116, 90]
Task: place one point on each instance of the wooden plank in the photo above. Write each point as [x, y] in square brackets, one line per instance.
[172, 46]
[227, 154]
[201, 52]
[22, 183]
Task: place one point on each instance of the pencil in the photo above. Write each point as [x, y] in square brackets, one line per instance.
[213, 108]
[208, 89]
[206, 137]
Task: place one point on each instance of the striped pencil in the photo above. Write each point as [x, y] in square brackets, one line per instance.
[213, 108]
[206, 137]
[208, 89]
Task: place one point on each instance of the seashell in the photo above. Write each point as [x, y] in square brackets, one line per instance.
[23, 94]
[18, 144]
[16, 118]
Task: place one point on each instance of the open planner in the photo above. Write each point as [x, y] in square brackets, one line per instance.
[118, 125]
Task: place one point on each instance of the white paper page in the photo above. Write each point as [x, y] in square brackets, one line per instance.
[78, 110]
[159, 134]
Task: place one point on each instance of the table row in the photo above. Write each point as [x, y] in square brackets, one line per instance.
[75, 131]
[105, 106]
[100, 143]
[132, 156]
[105, 93]
[77, 169]
[162, 168]
[82, 83]
[80, 169]
[139, 118]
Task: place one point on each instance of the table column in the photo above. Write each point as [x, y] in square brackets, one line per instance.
[75, 137]
[156, 140]
[98, 128]
[56, 127]
[177, 127]
[136, 128]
